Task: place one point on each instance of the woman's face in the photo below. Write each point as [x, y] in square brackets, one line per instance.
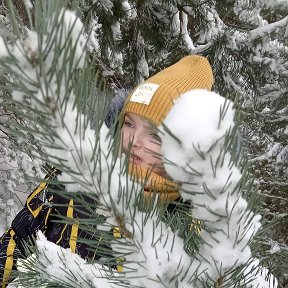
[141, 142]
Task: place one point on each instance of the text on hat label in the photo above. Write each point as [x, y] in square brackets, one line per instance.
[144, 93]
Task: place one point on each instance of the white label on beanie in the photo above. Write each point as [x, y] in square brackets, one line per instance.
[144, 93]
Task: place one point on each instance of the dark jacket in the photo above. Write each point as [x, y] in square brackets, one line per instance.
[47, 210]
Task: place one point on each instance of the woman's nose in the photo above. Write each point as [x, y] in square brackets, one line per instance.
[136, 140]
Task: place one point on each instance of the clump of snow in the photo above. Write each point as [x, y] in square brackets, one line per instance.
[142, 65]
[28, 4]
[116, 57]
[59, 265]
[16, 167]
[214, 25]
[201, 132]
[72, 31]
[176, 23]
[185, 33]
[181, 27]
[259, 276]
[156, 253]
[93, 41]
[194, 139]
[248, 14]
[130, 10]
[26, 53]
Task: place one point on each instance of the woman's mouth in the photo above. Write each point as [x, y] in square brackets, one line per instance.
[135, 159]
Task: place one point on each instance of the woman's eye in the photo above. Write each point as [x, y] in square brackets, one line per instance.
[128, 123]
[156, 137]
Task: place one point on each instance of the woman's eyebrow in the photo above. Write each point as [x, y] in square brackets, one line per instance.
[151, 127]
[128, 117]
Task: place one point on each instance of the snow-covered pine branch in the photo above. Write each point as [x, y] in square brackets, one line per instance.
[45, 67]
[263, 31]
[60, 266]
[44, 70]
[212, 182]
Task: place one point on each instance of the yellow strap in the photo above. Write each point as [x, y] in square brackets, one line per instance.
[73, 237]
[9, 259]
[116, 232]
[61, 235]
[37, 191]
[74, 229]
[120, 260]
[120, 268]
[29, 199]
[196, 226]
[47, 216]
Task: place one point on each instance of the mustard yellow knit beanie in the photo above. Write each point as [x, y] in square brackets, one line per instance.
[154, 97]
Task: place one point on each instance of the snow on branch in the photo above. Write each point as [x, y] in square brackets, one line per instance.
[262, 31]
[184, 31]
[199, 155]
[277, 4]
[44, 66]
[156, 257]
[56, 265]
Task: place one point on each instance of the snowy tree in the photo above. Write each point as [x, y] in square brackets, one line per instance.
[129, 41]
